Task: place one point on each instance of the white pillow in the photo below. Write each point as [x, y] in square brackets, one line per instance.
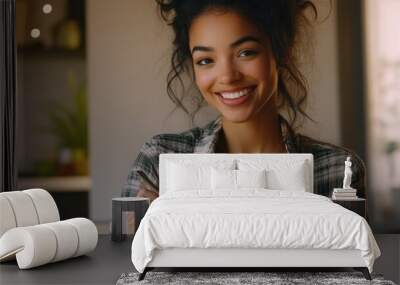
[251, 178]
[290, 179]
[181, 178]
[281, 174]
[184, 174]
[227, 179]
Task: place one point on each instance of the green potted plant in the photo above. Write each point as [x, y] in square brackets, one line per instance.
[69, 124]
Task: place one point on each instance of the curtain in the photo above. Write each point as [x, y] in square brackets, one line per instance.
[8, 173]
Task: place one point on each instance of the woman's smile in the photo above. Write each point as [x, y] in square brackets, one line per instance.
[235, 97]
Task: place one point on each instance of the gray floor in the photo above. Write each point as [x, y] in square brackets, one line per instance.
[110, 260]
[388, 263]
[103, 266]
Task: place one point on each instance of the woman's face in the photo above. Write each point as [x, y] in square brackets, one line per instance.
[233, 64]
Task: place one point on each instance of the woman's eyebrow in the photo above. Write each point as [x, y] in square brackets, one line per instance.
[232, 45]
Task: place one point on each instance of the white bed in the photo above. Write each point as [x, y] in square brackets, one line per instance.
[280, 225]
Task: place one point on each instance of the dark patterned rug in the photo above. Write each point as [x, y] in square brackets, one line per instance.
[242, 278]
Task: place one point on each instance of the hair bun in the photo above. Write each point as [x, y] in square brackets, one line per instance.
[169, 8]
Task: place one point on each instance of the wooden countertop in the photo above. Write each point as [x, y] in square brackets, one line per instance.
[56, 183]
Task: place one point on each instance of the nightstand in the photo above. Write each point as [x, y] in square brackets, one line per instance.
[356, 205]
[127, 212]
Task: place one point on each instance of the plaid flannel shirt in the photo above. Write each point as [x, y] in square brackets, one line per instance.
[328, 159]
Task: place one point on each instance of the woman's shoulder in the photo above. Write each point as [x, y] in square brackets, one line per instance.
[173, 142]
[181, 142]
[329, 165]
[328, 154]
[306, 143]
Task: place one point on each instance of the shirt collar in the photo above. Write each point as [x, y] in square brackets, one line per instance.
[211, 132]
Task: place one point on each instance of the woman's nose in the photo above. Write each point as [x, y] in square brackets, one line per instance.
[228, 72]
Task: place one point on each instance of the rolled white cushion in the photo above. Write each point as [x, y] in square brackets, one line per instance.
[251, 178]
[229, 180]
[67, 240]
[33, 246]
[7, 218]
[45, 205]
[223, 179]
[23, 208]
[87, 235]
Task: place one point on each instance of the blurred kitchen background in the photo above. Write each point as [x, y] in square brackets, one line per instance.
[91, 91]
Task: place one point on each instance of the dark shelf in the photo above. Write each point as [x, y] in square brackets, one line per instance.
[53, 52]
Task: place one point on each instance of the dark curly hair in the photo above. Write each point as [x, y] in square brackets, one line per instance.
[282, 20]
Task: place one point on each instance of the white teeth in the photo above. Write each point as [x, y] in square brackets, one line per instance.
[234, 95]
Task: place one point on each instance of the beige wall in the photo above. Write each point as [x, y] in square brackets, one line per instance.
[128, 57]
[322, 74]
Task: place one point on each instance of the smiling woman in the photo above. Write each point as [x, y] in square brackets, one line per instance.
[236, 73]
[274, 25]
[243, 58]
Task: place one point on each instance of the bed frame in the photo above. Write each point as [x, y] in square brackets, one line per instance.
[250, 258]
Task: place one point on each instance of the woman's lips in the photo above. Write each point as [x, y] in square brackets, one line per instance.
[235, 101]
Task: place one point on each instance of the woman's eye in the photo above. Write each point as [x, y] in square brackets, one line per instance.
[204, 61]
[247, 53]
[244, 53]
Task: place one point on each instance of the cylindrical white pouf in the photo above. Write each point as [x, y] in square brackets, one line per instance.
[87, 234]
[67, 239]
[45, 205]
[23, 207]
[7, 218]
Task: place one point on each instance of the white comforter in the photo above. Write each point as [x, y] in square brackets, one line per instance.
[257, 218]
